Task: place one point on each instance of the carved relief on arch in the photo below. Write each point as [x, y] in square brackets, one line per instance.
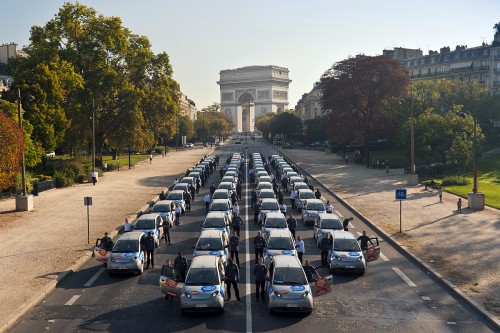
[241, 94]
[229, 113]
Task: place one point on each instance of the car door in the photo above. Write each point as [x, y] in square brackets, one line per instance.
[170, 281]
[322, 285]
[372, 253]
[99, 253]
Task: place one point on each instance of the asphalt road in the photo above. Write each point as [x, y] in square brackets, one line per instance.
[393, 296]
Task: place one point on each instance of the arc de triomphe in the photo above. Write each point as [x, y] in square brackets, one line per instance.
[249, 92]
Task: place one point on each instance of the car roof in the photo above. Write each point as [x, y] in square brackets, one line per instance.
[220, 200]
[210, 233]
[132, 235]
[275, 214]
[330, 216]
[305, 190]
[192, 178]
[313, 201]
[265, 190]
[176, 192]
[163, 203]
[148, 216]
[286, 261]
[204, 261]
[279, 233]
[341, 234]
[269, 200]
[225, 190]
[215, 214]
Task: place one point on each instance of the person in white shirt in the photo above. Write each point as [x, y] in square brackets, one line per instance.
[282, 208]
[178, 212]
[299, 244]
[328, 207]
[236, 208]
[207, 200]
[127, 226]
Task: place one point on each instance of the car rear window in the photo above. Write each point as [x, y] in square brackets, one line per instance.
[126, 245]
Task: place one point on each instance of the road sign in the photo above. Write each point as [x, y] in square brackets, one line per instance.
[400, 194]
[87, 201]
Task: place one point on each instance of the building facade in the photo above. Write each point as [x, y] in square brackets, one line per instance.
[480, 63]
[249, 92]
[9, 50]
[309, 106]
[187, 107]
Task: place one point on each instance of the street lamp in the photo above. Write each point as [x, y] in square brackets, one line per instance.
[24, 202]
[476, 200]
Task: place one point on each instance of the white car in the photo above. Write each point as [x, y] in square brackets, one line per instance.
[325, 223]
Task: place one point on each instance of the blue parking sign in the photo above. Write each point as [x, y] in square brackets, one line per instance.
[400, 194]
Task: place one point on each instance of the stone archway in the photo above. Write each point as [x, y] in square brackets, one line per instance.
[246, 104]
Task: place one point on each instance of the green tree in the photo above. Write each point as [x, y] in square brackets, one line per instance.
[186, 127]
[264, 124]
[286, 124]
[460, 153]
[357, 91]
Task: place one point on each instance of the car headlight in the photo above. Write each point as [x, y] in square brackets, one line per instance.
[276, 293]
[305, 294]
[338, 258]
[113, 260]
[360, 258]
[215, 293]
[188, 295]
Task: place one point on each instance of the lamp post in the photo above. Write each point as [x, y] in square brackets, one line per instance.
[412, 176]
[476, 200]
[24, 202]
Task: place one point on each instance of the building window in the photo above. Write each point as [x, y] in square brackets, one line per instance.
[442, 69]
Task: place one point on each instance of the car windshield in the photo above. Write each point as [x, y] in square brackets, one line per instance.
[202, 277]
[161, 208]
[214, 222]
[209, 244]
[264, 186]
[289, 276]
[315, 206]
[180, 187]
[275, 223]
[269, 206]
[331, 224]
[144, 224]
[174, 196]
[280, 243]
[301, 186]
[266, 194]
[228, 179]
[126, 245]
[220, 195]
[306, 195]
[346, 245]
[219, 207]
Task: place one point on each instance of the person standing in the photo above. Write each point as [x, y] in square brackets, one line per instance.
[149, 248]
[292, 225]
[345, 223]
[300, 248]
[328, 207]
[232, 276]
[212, 189]
[239, 189]
[207, 199]
[256, 212]
[170, 269]
[193, 191]
[236, 208]
[440, 194]
[459, 205]
[309, 270]
[150, 159]
[187, 199]
[293, 197]
[236, 223]
[259, 243]
[181, 265]
[166, 230]
[326, 246]
[260, 273]
[234, 246]
[282, 208]
[317, 194]
[127, 226]
[363, 240]
[106, 242]
[162, 196]
[178, 212]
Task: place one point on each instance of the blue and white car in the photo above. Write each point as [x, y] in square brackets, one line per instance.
[311, 210]
[127, 255]
[212, 243]
[177, 196]
[325, 223]
[346, 255]
[150, 223]
[217, 221]
[304, 195]
[221, 205]
[273, 220]
[280, 242]
[266, 206]
[164, 208]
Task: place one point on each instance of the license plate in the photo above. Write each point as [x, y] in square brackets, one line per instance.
[200, 305]
[350, 266]
[292, 305]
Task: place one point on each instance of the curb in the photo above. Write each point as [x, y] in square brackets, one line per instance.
[403, 250]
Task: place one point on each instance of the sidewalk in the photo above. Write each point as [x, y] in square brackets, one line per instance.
[464, 248]
[38, 246]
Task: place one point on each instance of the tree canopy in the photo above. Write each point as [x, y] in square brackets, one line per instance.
[11, 150]
[356, 90]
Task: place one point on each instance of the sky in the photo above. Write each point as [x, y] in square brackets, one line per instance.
[203, 37]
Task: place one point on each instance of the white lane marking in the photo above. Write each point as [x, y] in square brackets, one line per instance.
[451, 323]
[247, 256]
[426, 298]
[95, 277]
[351, 225]
[404, 277]
[337, 213]
[72, 300]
